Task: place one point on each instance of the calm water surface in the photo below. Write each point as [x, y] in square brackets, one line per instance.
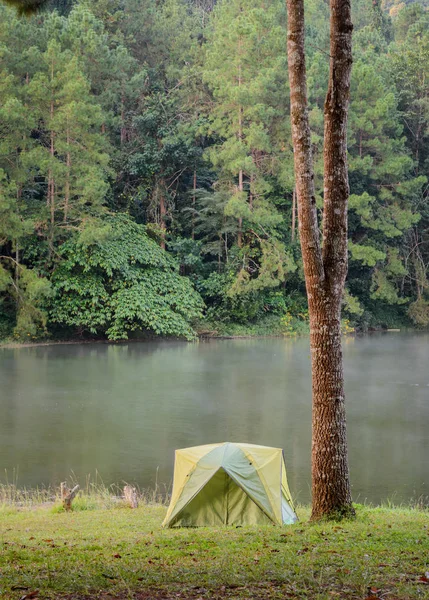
[122, 410]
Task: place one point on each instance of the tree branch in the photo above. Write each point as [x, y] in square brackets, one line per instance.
[303, 158]
[336, 183]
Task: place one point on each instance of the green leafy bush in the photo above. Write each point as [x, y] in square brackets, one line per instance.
[123, 282]
[419, 312]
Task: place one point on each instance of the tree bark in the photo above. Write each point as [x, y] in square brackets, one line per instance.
[67, 185]
[123, 129]
[194, 196]
[67, 495]
[162, 215]
[293, 215]
[17, 273]
[51, 183]
[325, 269]
[240, 219]
[240, 137]
[130, 495]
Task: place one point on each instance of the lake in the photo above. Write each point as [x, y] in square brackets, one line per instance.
[121, 410]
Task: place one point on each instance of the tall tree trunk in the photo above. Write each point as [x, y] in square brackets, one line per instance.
[67, 186]
[325, 270]
[51, 175]
[123, 128]
[194, 196]
[240, 219]
[240, 137]
[293, 215]
[162, 213]
[17, 273]
[17, 266]
[51, 182]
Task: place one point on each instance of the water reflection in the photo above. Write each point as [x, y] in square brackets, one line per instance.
[123, 409]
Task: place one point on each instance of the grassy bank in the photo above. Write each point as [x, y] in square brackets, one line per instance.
[105, 550]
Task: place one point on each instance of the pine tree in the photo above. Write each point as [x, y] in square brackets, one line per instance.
[21, 289]
[410, 73]
[383, 182]
[70, 155]
[245, 68]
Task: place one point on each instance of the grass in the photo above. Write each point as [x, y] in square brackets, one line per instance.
[105, 550]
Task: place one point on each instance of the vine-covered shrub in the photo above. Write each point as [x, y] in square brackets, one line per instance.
[121, 282]
[419, 312]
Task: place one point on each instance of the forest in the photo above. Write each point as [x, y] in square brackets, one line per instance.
[146, 168]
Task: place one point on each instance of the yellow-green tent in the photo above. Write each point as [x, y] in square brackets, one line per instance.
[229, 484]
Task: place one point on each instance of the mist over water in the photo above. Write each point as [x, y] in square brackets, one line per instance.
[123, 409]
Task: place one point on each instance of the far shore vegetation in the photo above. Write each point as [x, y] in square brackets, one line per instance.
[133, 198]
[274, 327]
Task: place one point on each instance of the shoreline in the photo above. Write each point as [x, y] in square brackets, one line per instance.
[10, 345]
[95, 494]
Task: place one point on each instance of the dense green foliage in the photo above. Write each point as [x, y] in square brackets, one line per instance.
[122, 282]
[146, 162]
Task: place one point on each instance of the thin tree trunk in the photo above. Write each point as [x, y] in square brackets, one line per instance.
[123, 129]
[18, 198]
[219, 256]
[240, 137]
[240, 219]
[194, 194]
[51, 175]
[51, 181]
[325, 271]
[17, 273]
[293, 214]
[67, 186]
[162, 215]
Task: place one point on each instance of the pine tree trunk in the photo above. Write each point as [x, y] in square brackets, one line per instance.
[123, 129]
[240, 137]
[17, 266]
[293, 215]
[325, 271]
[51, 176]
[67, 185]
[194, 196]
[240, 219]
[251, 182]
[162, 215]
[51, 182]
[17, 274]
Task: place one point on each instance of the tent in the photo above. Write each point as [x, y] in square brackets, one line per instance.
[229, 484]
